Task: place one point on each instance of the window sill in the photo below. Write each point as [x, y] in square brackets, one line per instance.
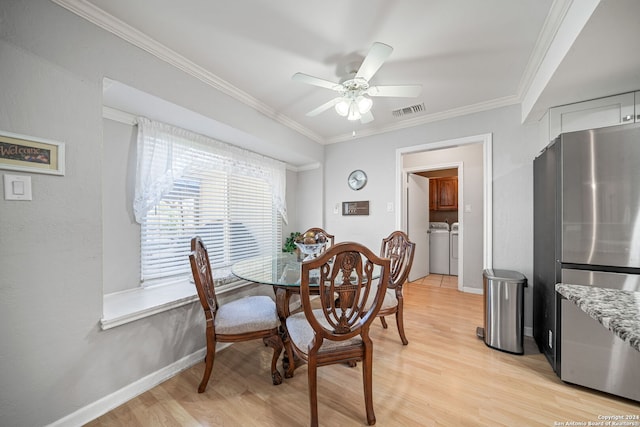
[128, 306]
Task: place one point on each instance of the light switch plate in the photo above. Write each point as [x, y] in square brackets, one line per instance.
[17, 187]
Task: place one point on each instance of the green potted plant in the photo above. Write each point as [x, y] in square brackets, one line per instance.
[290, 243]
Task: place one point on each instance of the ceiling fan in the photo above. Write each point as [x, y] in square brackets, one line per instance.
[354, 91]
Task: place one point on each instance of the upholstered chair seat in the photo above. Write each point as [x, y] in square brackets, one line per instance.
[301, 333]
[254, 313]
[390, 300]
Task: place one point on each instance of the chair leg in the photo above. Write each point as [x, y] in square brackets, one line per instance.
[367, 379]
[209, 359]
[288, 360]
[400, 323]
[275, 342]
[313, 390]
[383, 321]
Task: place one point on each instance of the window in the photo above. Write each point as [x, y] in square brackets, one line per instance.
[191, 185]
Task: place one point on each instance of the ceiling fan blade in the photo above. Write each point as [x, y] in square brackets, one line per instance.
[316, 81]
[378, 53]
[324, 107]
[366, 117]
[402, 91]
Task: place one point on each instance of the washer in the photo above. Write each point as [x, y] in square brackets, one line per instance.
[453, 250]
[439, 248]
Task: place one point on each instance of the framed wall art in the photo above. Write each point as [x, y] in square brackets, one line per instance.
[30, 154]
[355, 208]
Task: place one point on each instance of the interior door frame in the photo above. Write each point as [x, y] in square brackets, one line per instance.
[487, 205]
[459, 166]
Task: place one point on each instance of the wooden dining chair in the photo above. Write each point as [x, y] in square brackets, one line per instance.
[338, 331]
[399, 249]
[244, 319]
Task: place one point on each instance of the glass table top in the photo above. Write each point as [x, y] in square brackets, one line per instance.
[281, 269]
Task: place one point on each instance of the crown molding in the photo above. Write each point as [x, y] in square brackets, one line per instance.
[102, 19]
[552, 23]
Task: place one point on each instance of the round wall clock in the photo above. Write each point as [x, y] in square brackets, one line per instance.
[357, 179]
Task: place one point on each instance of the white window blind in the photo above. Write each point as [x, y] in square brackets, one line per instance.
[228, 203]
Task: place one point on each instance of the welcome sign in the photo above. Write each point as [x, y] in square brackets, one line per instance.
[29, 154]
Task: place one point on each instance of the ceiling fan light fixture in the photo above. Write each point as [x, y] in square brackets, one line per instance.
[364, 104]
[354, 114]
[342, 107]
[354, 90]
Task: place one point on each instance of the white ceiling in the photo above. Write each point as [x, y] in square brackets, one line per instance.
[468, 55]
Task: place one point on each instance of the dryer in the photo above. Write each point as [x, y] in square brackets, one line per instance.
[438, 248]
[453, 249]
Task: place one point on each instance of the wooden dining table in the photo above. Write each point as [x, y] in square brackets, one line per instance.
[282, 272]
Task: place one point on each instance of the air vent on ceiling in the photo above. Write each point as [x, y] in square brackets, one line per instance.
[408, 110]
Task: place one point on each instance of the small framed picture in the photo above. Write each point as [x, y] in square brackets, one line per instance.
[30, 154]
[355, 208]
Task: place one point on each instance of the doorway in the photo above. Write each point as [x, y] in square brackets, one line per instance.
[471, 156]
[438, 222]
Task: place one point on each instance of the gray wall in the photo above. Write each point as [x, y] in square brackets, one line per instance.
[514, 147]
[121, 233]
[54, 259]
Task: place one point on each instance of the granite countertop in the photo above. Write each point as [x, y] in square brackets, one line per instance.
[616, 310]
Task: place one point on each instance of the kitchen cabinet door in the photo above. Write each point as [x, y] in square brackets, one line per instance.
[433, 194]
[596, 113]
[448, 194]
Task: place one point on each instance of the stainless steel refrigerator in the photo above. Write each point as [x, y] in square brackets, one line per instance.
[586, 221]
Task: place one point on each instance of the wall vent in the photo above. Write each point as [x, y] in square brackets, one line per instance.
[408, 110]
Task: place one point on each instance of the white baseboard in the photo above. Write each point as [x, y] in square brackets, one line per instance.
[117, 398]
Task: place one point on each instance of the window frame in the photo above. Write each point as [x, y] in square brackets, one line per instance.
[238, 189]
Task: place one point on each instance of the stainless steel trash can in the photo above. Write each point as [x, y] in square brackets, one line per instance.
[503, 310]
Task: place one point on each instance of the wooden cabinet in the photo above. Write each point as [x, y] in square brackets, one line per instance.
[433, 194]
[443, 194]
[596, 113]
[448, 194]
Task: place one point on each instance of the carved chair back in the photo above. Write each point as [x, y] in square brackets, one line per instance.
[399, 249]
[203, 278]
[343, 274]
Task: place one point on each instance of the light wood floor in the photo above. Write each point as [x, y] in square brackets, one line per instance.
[446, 376]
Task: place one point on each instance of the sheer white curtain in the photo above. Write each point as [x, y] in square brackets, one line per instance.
[166, 153]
